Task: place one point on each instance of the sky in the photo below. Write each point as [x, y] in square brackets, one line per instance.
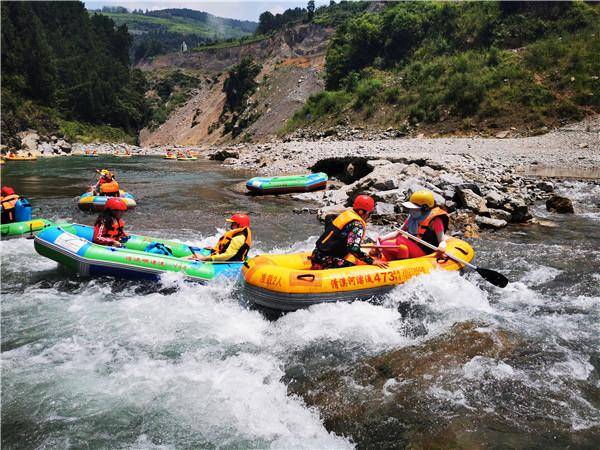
[235, 9]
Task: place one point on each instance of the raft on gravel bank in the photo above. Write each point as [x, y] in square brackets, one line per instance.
[287, 184]
[23, 229]
[71, 246]
[286, 282]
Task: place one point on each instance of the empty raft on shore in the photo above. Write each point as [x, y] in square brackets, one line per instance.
[23, 229]
[72, 246]
[95, 203]
[286, 283]
[287, 184]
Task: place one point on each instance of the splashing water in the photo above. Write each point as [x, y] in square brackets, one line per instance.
[113, 363]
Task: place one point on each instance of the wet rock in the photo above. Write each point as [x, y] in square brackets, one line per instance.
[503, 134]
[397, 387]
[518, 210]
[558, 204]
[488, 222]
[545, 186]
[64, 146]
[230, 161]
[222, 155]
[383, 209]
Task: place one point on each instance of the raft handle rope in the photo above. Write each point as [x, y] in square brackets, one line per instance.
[496, 278]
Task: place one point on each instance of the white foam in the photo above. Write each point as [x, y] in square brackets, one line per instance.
[540, 275]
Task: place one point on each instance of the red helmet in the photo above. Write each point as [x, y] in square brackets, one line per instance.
[243, 220]
[115, 204]
[6, 190]
[364, 202]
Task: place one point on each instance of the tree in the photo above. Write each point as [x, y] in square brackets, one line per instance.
[311, 9]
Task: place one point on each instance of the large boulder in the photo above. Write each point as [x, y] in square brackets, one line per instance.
[558, 204]
[222, 155]
[495, 199]
[330, 212]
[64, 146]
[466, 198]
[518, 210]
[29, 140]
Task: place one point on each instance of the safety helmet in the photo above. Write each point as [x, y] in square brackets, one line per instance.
[115, 204]
[364, 202]
[420, 198]
[243, 220]
[106, 173]
[6, 190]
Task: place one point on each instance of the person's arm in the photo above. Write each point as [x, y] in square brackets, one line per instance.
[438, 228]
[235, 244]
[355, 232]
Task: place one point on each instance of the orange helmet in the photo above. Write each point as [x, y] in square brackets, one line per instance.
[243, 220]
[6, 190]
[115, 204]
[364, 202]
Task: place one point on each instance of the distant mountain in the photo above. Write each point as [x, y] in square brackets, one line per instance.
[164, 30]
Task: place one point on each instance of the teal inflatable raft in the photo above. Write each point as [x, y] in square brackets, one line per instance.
[95, 203]
[141, 257]
[287, 184]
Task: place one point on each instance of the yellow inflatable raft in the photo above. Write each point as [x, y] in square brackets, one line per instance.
[286, 283]
[21, 158]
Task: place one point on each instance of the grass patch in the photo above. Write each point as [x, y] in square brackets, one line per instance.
[86, 133]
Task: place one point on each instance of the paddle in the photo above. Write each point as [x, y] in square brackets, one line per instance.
[496, 278]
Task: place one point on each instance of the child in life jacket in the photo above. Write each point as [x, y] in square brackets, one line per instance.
[109, 229]
[107, 185]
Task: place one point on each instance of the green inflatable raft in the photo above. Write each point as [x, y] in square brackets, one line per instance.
[23, 229]
[287, 184]
[139, 258]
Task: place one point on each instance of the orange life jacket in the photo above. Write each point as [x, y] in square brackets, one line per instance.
[109, 187]
[116, 229]
[226, 239]
[331, 242]
[426, 233]
[9, 202]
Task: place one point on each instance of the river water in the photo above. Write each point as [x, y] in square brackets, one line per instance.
[107, 363]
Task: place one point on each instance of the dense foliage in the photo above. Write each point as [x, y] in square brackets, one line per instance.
[239, 85]
[464, 63]
[332, 15]
[69, 63]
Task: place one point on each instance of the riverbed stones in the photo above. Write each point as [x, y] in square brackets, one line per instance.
[29, 141]
[488, 222]
[222, 155]
[466, 198]
[561, 205]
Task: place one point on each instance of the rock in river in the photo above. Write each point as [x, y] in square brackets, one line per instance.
[559, 204]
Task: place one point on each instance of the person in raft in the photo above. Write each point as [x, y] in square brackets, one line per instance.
[233, 245]
[424, 221]
[8, 201]
[343, 237]
[109, 229]
[106, 185]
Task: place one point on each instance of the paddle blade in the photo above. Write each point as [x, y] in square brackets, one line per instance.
[496, 278]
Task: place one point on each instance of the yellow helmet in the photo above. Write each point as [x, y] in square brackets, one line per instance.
[105, 173]
[421, 198]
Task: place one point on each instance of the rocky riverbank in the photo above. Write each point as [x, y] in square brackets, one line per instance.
[483, 183]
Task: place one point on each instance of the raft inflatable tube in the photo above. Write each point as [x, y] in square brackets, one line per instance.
[95, 203]
[71, 246]
[169, 157]
[187, 158]
[286, 283]
[287, 184]
[121, 155]
[21, 158]
[23, 229]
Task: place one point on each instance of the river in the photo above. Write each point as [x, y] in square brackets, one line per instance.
[106, 363]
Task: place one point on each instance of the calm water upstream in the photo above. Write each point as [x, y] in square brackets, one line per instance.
[106, 363]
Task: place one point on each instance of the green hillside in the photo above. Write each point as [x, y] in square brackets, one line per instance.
[162, 31]
[454, 67]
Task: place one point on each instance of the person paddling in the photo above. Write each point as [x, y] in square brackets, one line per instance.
[106, 185]
[343, 237]
[424, 221]
[109, 229]
[233, 245]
